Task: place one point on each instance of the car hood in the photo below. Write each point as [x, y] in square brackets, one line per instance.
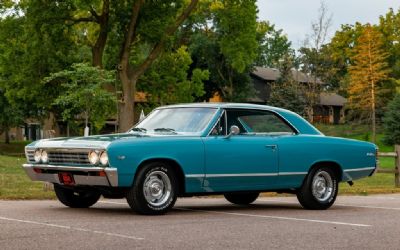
[96, 141]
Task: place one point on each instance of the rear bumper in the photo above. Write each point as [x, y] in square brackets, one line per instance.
[91, 176]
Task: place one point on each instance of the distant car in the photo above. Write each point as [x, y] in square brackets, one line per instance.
[237, 150]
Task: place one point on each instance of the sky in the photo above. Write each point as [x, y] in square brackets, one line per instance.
[294, 17]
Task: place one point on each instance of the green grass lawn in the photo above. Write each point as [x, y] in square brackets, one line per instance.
[15, 184]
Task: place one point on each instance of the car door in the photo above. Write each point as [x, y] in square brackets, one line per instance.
[247, 161]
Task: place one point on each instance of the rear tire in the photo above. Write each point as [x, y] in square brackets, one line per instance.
[76, 199]
[241, 198]
[319, 189]
[155, 189]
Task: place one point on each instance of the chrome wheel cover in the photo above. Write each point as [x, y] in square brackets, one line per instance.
[157, 188]
[322, 186]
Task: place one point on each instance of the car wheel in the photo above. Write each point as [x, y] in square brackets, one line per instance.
[154, 190]
[241, 198]
[76, 199]
[319, 189]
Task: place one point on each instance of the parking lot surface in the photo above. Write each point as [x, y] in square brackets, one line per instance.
[354, 222]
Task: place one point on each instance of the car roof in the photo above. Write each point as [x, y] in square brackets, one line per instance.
[225, 105]
[298, 122]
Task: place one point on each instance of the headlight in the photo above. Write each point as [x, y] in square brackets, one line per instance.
[44, 157]
[93, 157]
[104, 158]
[37, 156]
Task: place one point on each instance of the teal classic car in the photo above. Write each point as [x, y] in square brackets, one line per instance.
[237, 150]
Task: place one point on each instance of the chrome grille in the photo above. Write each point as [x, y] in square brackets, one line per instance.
[68, 157]
[30, 155]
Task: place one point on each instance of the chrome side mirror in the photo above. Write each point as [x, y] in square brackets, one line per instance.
[233, 130]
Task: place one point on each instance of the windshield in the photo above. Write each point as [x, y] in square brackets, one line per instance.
[176, 120]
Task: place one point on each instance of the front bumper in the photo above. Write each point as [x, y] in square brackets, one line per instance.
[91, 176]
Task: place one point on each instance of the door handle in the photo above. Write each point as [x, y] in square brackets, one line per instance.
[272, 146]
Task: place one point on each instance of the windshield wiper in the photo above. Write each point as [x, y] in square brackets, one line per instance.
[139, 129]
[165, 130]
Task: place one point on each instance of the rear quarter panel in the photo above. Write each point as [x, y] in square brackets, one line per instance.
[298, 153]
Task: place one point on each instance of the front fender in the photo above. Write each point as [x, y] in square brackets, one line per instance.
[128, 155]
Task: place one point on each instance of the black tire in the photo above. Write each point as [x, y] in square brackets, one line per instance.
[153, 201]
[321, 198]
[241, 198]
[76, 199]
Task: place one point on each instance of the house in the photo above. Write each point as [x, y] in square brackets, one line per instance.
[329, 108]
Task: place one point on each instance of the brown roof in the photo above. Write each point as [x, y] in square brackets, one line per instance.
[272, 74]
[332, 99]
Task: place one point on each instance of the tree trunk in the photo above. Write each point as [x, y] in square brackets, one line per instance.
[373, 112]
[126, 110]
[7, 136]
[98, 48]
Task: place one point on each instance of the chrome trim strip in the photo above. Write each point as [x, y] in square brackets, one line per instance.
[70, 148]
[195, 175]
[240, 175]
[63, 168]
[243, 175]
[358, 169]
[293, 173]
[219, 118]
[111, 178]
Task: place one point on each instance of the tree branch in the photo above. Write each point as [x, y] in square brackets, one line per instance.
[94, 13]
[157, 49]
[129, 36]
[82, 19]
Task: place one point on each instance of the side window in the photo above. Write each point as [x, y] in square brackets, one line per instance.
[220, 126]
[257, 122]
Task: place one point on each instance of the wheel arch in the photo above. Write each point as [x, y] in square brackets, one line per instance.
[331, 164]
[173, 164]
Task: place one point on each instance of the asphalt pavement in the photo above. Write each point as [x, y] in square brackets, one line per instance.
[354, 222]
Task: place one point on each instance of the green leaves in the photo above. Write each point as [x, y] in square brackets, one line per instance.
[391, 122]
[273, 45]
[84, 94]
[236, 24]
[168, 80]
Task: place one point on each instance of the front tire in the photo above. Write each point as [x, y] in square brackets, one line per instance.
[319, 189]
[76, 199]
[241, 198]
[154, 190]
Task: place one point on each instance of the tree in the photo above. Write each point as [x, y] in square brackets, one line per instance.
[311, 56]
[340, 51]
[390, 29]
[286, 92]
[167, 80]
[85, 94]
[152, 24]
[367, 73]
[273, 45]
[224, 42]
[391, 122]
[10, 116]
[30, 49]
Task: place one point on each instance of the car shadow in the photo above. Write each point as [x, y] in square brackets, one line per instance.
[120, 209]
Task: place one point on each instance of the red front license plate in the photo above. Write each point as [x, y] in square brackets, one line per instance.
[66, 178]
